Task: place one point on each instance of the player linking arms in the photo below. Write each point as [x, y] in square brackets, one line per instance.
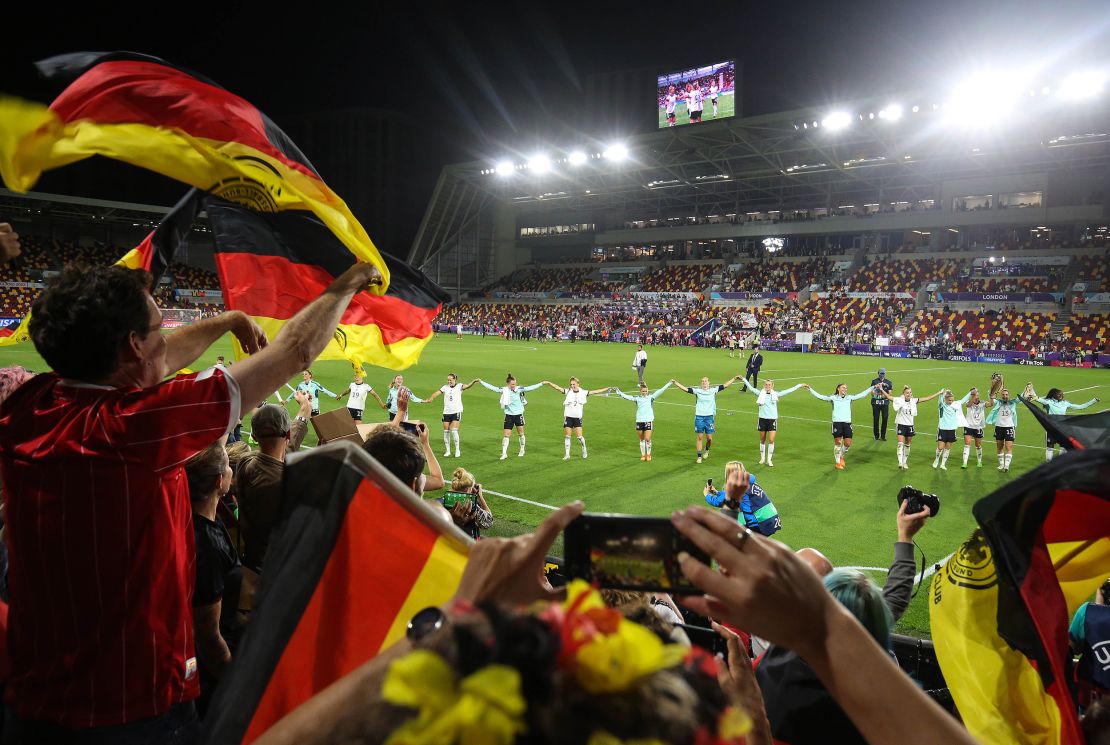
[905, 410]
[841, 419]
[950, 411]
[645, 415]
[1055, 404]
[452, 411]
[512, 403]
[573, 404]
[768, 424]
[705, 411]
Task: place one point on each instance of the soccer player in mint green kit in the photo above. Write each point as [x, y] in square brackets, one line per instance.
[645, 415]
[841, 418]
[512, 403]
[768, 424]
[705, 410]
[1055, 405]
[951, 412]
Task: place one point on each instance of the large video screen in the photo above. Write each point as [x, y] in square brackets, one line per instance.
[701, 94]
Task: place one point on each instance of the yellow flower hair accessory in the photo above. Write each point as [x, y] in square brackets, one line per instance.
[606, 652]
[485, 707]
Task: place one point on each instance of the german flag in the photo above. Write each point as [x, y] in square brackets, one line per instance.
[273, 264]
[1075, 431]
[154, 255]
[356, 556]
[1000, 608]
[146, 112]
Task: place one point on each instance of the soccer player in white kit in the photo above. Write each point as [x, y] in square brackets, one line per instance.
[905, 410]
[358, 391]
[713, 97]
[976, 418]
[452, 411]
[670, 101]
[573, 403]
[1004, 418]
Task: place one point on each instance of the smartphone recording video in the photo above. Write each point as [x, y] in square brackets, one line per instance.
[625, 552]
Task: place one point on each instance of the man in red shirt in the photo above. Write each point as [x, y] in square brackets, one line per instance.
[98, 515]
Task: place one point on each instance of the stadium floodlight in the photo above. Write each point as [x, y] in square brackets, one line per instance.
[773, 245]
[504, 168]
[576, 158]
[616, 152]
[539, 163]
[892, 113]
[836, 120]
[985, 99]
[1083, 84]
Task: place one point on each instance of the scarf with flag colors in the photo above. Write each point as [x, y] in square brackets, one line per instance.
[356, 556]
[999, 609]
[143, 111]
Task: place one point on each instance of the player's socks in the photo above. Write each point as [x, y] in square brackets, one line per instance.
[836, 453]
[1048, 452]
[770, 452]
[521, 445]
[979, 454]
[643, 447]
[762, 453]
[1009, 457]
[944, 458]
[967, 453]
[504, 447]
[582, 442]
[901, 454]
[455, 439]
[566, 446]
[446, 443]
[936, 459]
[906, 455]
[649, 448]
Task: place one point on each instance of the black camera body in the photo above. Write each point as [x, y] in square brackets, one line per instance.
[918, 500]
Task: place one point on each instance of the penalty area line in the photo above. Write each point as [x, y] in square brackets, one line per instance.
[519, 499]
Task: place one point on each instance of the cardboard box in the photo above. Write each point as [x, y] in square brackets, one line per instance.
[335, 425]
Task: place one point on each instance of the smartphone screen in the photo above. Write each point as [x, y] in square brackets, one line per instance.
[626, 552]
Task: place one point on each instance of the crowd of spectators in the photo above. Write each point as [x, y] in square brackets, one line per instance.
[1006, 330]
[775, 276]
[1087, 332]
[680, 278]
[898, 275]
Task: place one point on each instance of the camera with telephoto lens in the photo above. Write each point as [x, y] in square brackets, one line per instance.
[918, 500]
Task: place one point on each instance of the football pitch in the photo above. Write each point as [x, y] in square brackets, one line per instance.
[726, 107]
[848, 515]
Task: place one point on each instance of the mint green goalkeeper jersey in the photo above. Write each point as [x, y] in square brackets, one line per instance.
[645, 412]
[1059, 408]
[513, 401]
[707, 400]
[842, 405]
[769, 409]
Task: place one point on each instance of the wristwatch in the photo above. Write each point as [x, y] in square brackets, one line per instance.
[425, 622]
[300, 418]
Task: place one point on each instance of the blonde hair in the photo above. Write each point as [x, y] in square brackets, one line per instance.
[462, 479]
[235, 453]
[732, 465]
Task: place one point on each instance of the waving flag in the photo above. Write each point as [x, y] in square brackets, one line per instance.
[146, 112]
[1075, 431]
[272, 265]
[999, 609]
[356, 556]
[154, 254]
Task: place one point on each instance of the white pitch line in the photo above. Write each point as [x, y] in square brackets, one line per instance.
[519, 499]
[1090, 387]
[916, 577]
[889, 372]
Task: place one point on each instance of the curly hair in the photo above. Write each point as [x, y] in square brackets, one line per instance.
[82, 320]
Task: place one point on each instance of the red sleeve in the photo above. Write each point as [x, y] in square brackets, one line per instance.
[166, 424]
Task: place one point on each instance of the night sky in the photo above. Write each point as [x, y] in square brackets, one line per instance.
[476, 81]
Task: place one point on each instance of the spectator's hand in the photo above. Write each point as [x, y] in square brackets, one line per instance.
[338, 397]
[768, 591]
[9, 243]
[461, 514]
[510, 571]
[249, 334]
[737, 678]
[805, 386]
[910, 523]
[737, 483]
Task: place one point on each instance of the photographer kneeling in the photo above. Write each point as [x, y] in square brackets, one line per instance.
[467, 506]
[752, 508]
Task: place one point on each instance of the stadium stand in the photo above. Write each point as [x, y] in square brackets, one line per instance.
[992, 330]
[901, 275]
[1087, 332]
[772, 276]
[680, 278]
[1092, 270]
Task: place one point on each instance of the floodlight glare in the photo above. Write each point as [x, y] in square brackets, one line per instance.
[539, 163]
[504, 168]
[616, 152]
[837, 120]
[891, 113]
[576, 158]
[1083, 84]
[985, 99]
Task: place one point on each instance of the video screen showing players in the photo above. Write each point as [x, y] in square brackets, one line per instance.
[701, 94]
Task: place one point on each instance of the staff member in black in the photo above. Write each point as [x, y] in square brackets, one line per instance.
[754, 363]
[880, 406]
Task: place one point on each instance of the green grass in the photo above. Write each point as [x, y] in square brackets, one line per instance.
[726, 107]
[849, 515]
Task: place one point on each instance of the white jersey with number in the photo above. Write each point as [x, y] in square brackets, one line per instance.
[671, 100]
[359, 392]
[695, 100]
[905, 411]
[452, 399]
[573, 403]
[1006, 416]
[976, 415]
